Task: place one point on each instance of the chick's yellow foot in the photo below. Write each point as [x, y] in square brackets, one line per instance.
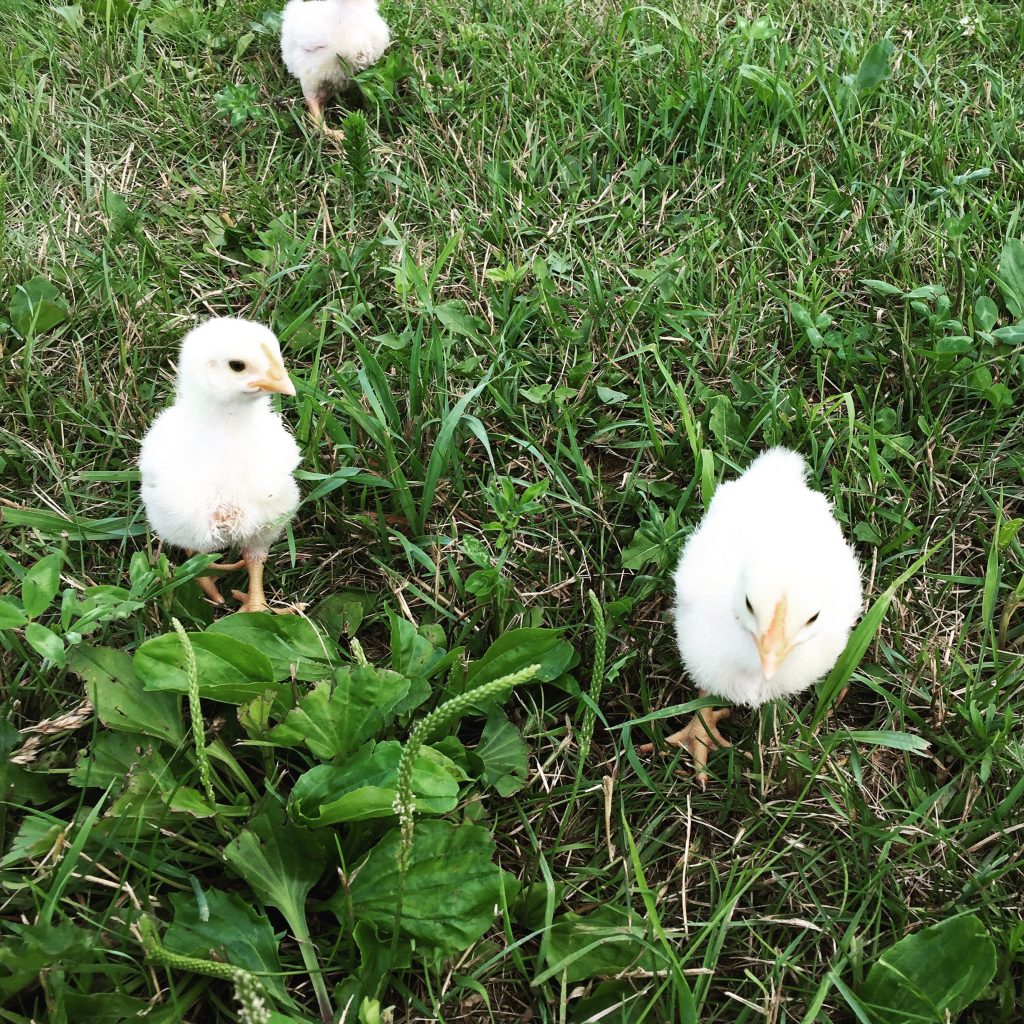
[208, 583]
[249, 604]
[698, 736]
[255, 600]
[316, 114]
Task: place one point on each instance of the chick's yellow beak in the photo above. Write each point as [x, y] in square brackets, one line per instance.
[772, 644]
[276, 380]
[284, 386]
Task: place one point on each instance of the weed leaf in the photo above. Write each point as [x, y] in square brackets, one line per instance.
[932, 975]
[365, 786]
[874, 67]
[120, 700]
[603, 943]
[503, 755]
[334, 718]
[37, 306]
[231, 930]
[1011, 276]
[229, 670]
[40, 585]
[440, 853]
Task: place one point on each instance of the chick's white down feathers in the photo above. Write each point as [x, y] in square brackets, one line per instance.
[217, 465]
[324, 42]
[768, 567]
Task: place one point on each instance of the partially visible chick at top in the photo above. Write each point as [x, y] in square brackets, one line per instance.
[767, 591]
[325, 42]
[217, 464]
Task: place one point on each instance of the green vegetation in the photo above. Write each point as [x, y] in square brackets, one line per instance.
[573, 265]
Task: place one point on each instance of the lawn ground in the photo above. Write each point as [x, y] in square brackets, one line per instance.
[574, 264]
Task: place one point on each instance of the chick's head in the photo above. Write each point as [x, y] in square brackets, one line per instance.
[228, 360]
[798, 590]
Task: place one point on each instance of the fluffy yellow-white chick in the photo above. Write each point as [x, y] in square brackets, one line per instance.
[217, 465]
[767, 591]
[325, 42]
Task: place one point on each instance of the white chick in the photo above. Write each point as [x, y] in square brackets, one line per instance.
[767, 591]
[217, 465]
[325, 42]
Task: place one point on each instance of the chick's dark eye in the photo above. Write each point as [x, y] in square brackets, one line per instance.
[237, 365]
[750, 607]
[813, 619]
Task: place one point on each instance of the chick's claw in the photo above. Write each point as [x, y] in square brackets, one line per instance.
[208, 585]
[697, 737]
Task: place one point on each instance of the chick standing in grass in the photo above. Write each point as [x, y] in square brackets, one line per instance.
[767, 591]
[325, 42]
[217, 465]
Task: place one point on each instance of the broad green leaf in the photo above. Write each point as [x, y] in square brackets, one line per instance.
[932, 975]
[342, 612]
[1007, 532]
[874, 67]
[45, 643]
[881, 287]
[27, 949]
[72, 14]
[504, 755]
[600, 944]
[108, 1008]
[451, 889]
[954, 346]
[985, 314]
[281, 863]
[125, 760]
[452, 314]
[647, 546]
[926, 291]
[413, 654]
[336, 717]
[11, 616]
[229, 670]
[1011, 277]
[517, 649]
[119, 698]
[724, 423]
[1010, 335]
[40, 585]
[364, 787]
[188, 800]
[36, 307]
[770, 88]
[610, 396]
[867, 534]
[36, 836]
[288, 641]
[233, 933]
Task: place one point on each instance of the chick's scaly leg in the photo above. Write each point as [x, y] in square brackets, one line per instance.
[256, 600]
[698, 736]
[316, 114]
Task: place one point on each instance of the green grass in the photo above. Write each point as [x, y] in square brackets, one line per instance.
[589, 261]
